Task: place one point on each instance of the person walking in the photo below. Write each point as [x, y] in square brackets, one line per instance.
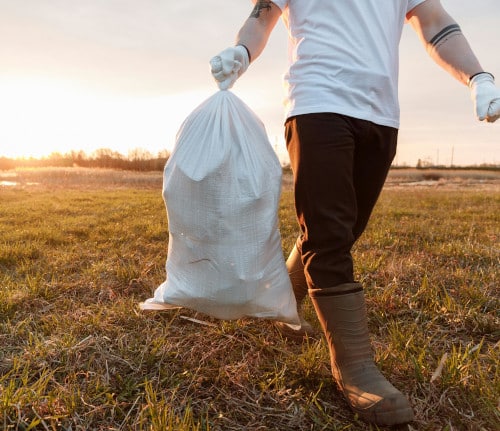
[342, 120]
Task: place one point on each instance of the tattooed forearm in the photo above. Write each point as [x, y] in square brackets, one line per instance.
[445, 34]
[259, 6]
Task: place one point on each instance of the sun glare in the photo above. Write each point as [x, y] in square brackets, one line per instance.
[41, 117]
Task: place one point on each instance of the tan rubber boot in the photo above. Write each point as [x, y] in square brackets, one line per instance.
[299, 284]
[342, 313]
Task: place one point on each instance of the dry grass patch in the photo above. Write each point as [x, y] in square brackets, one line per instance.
[78, 355]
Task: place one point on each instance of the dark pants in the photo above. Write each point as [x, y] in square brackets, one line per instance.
[339, 166]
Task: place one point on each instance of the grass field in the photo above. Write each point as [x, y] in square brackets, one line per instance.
[80, 249]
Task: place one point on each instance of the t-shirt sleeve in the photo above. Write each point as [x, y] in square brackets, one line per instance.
[412, 4]
[282, 4]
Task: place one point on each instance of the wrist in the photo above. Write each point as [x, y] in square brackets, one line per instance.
[244, 51]
[480, 76]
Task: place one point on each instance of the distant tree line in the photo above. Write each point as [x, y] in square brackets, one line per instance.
[140, 159]
[137, 159]
[427, 164]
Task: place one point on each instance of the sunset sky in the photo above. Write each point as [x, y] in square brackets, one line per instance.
[123, 74]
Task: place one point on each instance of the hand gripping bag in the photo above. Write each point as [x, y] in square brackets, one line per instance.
[221, 187]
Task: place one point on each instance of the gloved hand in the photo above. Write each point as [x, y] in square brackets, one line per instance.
[229, 65]
[486, 97]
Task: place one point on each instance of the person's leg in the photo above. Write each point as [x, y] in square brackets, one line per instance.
[321, 149]
[315, 128]
[339, 166]
[315, 131]
[373, 157]
[300, 290]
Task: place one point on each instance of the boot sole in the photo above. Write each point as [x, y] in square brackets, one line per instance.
[396, 417]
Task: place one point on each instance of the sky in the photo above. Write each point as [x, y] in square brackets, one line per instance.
[123, 74]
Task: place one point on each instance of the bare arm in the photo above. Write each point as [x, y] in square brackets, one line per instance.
[444, 40]
[251, 40]
[255, 32]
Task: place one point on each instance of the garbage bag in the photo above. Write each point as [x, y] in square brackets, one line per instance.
[221, 188]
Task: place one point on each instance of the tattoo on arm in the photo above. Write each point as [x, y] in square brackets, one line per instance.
[259, 6]
[445, 34]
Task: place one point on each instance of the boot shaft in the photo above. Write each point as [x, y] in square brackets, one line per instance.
[342, 314]
[297, 276]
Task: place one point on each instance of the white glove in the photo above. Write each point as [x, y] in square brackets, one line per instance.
[486, 97]
[229, 65]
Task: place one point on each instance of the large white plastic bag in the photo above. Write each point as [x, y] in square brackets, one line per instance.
[221, 187]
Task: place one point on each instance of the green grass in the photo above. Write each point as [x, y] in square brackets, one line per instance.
[78, 255]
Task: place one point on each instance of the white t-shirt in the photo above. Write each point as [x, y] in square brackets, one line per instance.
[344, 57]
